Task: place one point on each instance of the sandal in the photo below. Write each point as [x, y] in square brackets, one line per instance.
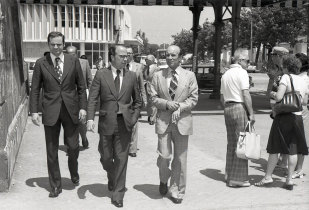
[298, 174]
[264, 182]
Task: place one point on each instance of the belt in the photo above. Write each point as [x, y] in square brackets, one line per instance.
[233, 102]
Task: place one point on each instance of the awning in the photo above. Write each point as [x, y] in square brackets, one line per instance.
[246, 3]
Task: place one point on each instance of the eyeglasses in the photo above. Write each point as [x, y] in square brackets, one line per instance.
[245, 60]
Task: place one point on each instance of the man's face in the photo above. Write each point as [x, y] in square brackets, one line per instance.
[119, 60]
[244, 62]
[276, 58]
[172, 57]
[130, 54]
[56, 45]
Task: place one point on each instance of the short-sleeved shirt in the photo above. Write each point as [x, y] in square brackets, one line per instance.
[233, 82]
[300, 84]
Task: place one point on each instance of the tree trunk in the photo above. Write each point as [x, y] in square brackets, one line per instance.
[257, 54]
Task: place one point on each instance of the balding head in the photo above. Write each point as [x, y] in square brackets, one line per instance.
[72, 50]
[150, 59]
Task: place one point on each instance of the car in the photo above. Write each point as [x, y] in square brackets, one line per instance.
[205, 75]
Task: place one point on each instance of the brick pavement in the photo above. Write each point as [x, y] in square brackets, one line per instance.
[205, 186]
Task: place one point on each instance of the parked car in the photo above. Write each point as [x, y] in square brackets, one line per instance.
[205, 75]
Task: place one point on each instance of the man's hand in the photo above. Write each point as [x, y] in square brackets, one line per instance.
[36, 119]
[82, 115]
[145, 104]
[252, 119]
[175, 116]
[172, 105]
[90, 125]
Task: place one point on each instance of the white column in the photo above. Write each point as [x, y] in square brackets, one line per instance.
[82, 48]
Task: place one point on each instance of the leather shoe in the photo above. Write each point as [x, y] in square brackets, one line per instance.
[132, 154]
[163, 188]
[55, 192]
[75, 180]
[118, 204]
[176, 200]
[85, 143]
[110, 185]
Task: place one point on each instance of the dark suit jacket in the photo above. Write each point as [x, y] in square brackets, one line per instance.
[128, 100]
[86, 72]
[71, 90]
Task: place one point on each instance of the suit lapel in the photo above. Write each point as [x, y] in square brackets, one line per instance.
[48, 63]
[181, 84]
[66, 66]
[163, 82]
[108, 75]
[125, 83]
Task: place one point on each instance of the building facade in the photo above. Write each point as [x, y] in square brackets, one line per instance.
[90, 28]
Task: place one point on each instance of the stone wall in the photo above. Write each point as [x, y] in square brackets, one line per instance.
[13, 90]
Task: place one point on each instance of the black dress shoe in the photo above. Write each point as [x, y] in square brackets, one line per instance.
[55, 192]
[110, 185]
[132, 154]
[163, 188]
[85, 143]
[118, 204]
[176, 200]
[75, 180]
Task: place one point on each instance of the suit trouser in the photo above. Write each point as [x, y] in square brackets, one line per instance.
[82, 130]
[114, 150]
[52, 144]
[134, 139]
[179, 164]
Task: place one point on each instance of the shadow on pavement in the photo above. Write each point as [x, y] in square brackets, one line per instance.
[43, 182]
[256, 178]
[97, 189]
[213, 174]
[150, 190]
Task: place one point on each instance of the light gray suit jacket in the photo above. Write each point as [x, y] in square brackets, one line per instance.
[186, 95]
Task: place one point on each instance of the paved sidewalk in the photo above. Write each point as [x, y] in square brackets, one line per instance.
[205, 185]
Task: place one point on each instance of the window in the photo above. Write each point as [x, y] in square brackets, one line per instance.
[89, 10]
[101, 18]
[95, 17]
[55, 15]
[62, 16]
[70, 15]
[77, 17]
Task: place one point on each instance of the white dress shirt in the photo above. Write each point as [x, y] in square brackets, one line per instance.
[61, 56]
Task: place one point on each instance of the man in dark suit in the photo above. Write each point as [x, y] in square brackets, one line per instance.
[72, 50]
[120, 105]
[64, 103]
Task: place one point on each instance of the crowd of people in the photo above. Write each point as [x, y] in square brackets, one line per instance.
[122, 87]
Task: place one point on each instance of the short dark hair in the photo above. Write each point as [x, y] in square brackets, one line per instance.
[304, 59]
[83, 57]
[54, 34]
[291, 63]
[46, 53]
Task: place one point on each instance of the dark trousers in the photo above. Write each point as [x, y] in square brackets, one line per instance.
[114, 150]
[52, 144]
[82, 130]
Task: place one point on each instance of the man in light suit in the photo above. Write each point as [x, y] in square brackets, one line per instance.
[174, 92]
[120, 105]
[138, 69]
[72, 50]
[64, 103]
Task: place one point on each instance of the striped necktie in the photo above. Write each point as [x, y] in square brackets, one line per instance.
[58, 69]
[173, 85]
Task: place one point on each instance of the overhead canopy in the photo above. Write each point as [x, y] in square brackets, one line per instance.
[246, 3]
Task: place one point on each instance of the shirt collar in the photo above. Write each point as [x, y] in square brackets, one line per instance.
[114, 70]
[61, 56]
[176, 70]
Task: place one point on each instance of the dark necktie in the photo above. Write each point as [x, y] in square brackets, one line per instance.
[173, 85]
[58, 69]
[117, 81]
[128, 66]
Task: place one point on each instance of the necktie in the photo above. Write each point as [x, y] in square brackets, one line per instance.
[58, 69]
[173, 85]
[117, 81]
[128, 66]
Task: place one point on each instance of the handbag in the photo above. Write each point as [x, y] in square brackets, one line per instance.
[249, 144]
[291, 101]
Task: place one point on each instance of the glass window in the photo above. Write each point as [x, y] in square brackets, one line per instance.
[70, 14]
[95, 17]
[62, 16]
[55, 15]
[101, 18]
[89, 10]
[77, 17]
